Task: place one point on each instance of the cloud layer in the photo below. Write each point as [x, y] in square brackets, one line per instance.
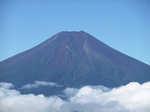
[133, 97]
[39, 83]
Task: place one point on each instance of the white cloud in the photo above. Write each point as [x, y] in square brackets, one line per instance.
[14, 101]
[39, 83]
[133, 97]
[6, 85]
[130, 98]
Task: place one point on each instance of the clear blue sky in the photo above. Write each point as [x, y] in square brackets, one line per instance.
[122, 24]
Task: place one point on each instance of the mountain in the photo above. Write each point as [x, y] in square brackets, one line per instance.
[72, 59]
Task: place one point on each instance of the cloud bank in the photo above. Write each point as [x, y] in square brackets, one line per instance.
[39, 83]
[133, 97]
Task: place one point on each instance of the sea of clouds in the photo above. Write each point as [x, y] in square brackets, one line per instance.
[133, 97]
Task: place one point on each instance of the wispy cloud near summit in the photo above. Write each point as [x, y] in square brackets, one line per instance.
[39, 83]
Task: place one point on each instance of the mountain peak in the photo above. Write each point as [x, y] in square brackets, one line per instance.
[73, 36]
[73, 59]
[75, 33]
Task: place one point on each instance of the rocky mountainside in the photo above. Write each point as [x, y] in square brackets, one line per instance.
[72, 59]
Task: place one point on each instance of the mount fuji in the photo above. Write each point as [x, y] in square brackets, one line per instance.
[71, 59]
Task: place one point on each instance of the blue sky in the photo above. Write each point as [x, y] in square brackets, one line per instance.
[122, 24]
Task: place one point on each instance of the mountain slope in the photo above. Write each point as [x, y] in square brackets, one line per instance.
[73, 59]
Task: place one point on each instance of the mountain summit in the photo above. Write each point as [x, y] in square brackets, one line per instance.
[73, 59]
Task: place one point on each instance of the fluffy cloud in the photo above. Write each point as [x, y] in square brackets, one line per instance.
[39, 83]
[14, 101]
[130, 98]
[133, 97]
[6, 85]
